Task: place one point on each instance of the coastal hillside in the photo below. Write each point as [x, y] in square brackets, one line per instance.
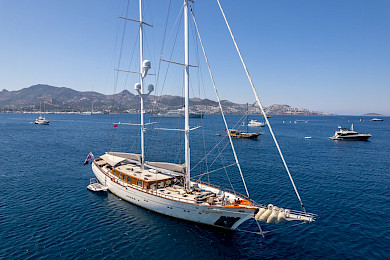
[62, 99]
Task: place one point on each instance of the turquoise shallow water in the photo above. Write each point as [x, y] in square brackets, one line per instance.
[47, 212]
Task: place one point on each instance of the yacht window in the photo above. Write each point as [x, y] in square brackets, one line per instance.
[161, 184]
[128, 179]
[120, 175]
[139, 183]
[124, 177]
[153, 185]
[169, 182]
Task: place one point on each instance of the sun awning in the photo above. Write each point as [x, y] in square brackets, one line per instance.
[131, 156]
[112, 159]
[181, 168]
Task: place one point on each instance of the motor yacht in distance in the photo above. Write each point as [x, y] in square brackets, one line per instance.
[180, 113]
[376, 119]
[349, 134]
[239, 134]
[255, 123]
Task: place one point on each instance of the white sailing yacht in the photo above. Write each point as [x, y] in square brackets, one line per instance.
[167, 188]
[41, 120]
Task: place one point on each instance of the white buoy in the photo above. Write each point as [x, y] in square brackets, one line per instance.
[281, 216]
[266, 214]
[287, 213]
[261, 211]
[273, 216]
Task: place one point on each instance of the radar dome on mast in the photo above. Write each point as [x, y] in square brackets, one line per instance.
[137, 87]
[150, 88]
[146, 64]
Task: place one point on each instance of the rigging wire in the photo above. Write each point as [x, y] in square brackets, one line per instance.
[174, 43]
[163, 44]
[220, 106]
[261, 108]
[118, 64]
[225, 167]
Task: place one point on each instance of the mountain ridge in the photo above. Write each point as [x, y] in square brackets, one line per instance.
[63, 99]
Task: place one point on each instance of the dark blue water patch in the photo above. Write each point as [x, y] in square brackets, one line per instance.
[47, 212]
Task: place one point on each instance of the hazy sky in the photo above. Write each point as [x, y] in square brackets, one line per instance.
[331, 56]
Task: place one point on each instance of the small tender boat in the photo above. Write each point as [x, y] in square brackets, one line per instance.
[376, 119]
[349, 134]
[255, 123]
[307, 137]
[95, 186]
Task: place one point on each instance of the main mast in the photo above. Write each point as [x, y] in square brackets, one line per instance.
[141, 42]
[186, 103]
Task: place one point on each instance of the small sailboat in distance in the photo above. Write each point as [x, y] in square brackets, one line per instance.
[168, 188]
[41, 120]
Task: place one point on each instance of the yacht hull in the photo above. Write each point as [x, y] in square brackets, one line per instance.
[42, 123]
[360, 137]
[224, 217]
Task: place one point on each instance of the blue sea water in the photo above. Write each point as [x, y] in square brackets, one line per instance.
[47, 212]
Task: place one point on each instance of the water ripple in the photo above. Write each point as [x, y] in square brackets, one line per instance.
[47, 212]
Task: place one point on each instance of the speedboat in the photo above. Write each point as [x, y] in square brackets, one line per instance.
[376, 119]
[349, 134]
[255, 123]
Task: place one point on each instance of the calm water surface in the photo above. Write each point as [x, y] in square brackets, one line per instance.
[47, 212]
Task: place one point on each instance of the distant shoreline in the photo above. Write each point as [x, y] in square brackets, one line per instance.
[101, 113]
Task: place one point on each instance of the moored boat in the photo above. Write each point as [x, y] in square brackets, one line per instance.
[96, 186]
[349, 135]
[255, 123]
[41, 121]
[177, 114]
[239, 134]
